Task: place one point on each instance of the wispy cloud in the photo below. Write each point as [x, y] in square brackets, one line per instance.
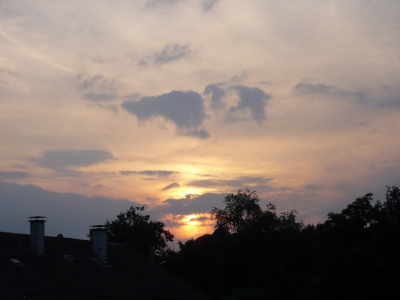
[171, 186]
[62, 159]
[13, 175]
[157, 173]
[171, 52]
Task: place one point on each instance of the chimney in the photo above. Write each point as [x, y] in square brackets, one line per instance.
[37, 233]
[98, 236]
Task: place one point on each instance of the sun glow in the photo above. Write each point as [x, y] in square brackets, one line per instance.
[190, 226]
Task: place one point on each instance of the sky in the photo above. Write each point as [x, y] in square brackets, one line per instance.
[175, 103]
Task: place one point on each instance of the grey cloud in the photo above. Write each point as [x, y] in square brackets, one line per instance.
[18, 202]
[217, 94]
[158, 173]
[234, 183]
[201, 134]
[170, 53]
[171, 186]
[99, 97]
[251, 99]
[150, 3]
[90, 82]
[239, 78]
[330, 91]
[365, 123]
[391, 102]
[207, 5]
[200, 204]
[61, 159]
[13, 175]
[127, 173]
[313, 187]
[185, 109]
[200, 219]
[112, 107]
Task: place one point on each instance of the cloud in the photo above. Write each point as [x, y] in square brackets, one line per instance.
[13, 175]
[391, 102]
[189, 205]
[185, 109]
[171, 52]
[330, 91]
[158, 173]
[313, 187]
[90, 82]
[99, 97]
[251, 99]
[18, 202]
[207, 5]
[201, 134]
[61, 159]
[239, 78]
[217, 94]
[239, 182]
[150, 3]
[171, 186]
[112, 107]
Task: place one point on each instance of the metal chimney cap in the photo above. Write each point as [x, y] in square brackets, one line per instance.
[37, 218]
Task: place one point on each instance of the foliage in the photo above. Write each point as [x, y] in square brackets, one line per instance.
[241, 211]
[138, 230]
[255, 253]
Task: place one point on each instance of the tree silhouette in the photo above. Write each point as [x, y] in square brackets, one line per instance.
[138, 230]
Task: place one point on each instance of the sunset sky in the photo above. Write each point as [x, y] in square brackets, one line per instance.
[174, 103]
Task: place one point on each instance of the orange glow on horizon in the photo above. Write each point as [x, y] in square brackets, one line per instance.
[190, 226]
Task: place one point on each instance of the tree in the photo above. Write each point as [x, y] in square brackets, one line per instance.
[241, 211]
[138, 230]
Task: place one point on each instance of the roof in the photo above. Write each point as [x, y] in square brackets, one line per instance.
[131, 275]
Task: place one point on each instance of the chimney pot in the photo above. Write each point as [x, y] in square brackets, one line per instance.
[98, 235]
[37, 233]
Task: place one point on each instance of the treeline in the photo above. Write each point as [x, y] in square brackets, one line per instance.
[256, 253]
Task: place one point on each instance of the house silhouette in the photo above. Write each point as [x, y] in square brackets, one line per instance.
[66, 268]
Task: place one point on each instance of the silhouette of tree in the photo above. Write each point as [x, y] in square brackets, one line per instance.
[241, 211]
[259, 254]
[138, 230]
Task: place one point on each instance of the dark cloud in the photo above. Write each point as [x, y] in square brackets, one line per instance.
[391, 102]
[158, 173]
[185, 109]
[13, 175]
[330, 91]
[217, 94]
[234, 183]
[67, 213]
[208, 5]
[62, 159]
[251, 99]
[171, 52]
[99, 97]
[171, 186]
[188, 205]
[90, 82]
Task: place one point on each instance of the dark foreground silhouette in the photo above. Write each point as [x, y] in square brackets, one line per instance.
[255, 253]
